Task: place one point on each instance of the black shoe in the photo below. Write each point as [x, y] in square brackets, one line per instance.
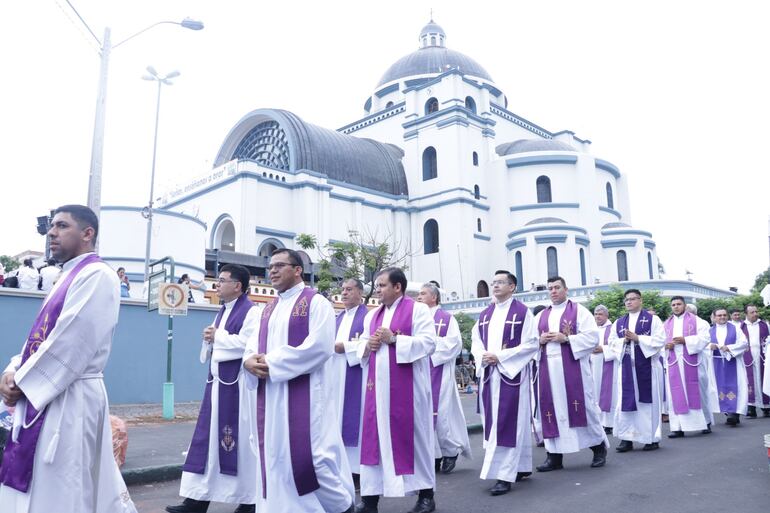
[625, 446]
[676, 434]
[600, 455]
[766, 412]
[707, 430]
[351, 509]
[752, 412]
[363, 508]
[664, 418]
[522, 475]
[607, 430]
[732, 419]
[424, 505]
[651, 447]
[552, 462]
[501, 488]
[252, 508]
[437, 462]
[189, 506]
[541, 444]
[448, 464]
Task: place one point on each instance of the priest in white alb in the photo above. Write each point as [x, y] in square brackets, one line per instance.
[301, 460]
[757, 333]
[58, 457]
[728, 344]
[505, 340]
[605, 372]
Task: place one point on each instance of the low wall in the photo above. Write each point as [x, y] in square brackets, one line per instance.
[137, 365]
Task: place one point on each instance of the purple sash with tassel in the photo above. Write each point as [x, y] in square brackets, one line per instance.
[726, 372]
[441, 320]
[608, 369]
[351, 408]
[228, 404]
[298, 400]
[687, 397]
[642, 365]
[748, 361]
[508, 403]
[573, 376]
[19, 457]
[401, 396]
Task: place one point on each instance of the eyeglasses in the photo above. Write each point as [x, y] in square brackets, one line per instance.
[280, 265]
[631, 299]
[222, 280]
[501, 282]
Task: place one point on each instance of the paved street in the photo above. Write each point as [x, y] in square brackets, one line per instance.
[725, 471]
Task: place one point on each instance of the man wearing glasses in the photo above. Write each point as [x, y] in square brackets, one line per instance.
[220, 465]
[636, 340]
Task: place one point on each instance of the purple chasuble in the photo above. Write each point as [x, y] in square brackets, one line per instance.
[508, 403]
[229, 404]
[298, 401]
[642, 364]
[351, 409]
[687, 397]
[748, 361]
[401, 396]
[726, 373]
[19, 457]
[441, 320]
[608, 370]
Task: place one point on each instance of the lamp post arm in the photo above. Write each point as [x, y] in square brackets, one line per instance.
[145, 30]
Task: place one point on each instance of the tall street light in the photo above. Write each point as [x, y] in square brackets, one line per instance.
[147, 211]
[97, 143]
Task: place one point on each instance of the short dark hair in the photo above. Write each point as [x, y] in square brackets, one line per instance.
[358, 283]
[395, 276]
[717, 309]
[83, 216]
[27, 262]
[435, 283]
[632, 291]
[238, 272]
[734, 310]
[121, 269]
[51, 261]
[554, 279]
[746, 308]
[294, 258]
[680, 298]
[511, 277]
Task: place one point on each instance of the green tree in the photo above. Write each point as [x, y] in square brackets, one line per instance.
[761, 280]
[9, 263]
[612, 298]
[465, 322]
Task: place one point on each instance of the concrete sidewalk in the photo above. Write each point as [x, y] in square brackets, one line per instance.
[157, 448]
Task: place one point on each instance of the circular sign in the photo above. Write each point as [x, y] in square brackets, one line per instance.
[173, 295]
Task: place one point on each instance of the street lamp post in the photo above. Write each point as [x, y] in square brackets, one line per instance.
[147, 211]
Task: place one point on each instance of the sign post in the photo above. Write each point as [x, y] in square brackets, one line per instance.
[166, 304]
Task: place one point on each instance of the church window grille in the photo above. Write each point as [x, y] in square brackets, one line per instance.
[475, 159]
[430, 236]
[553, 261]
[476, 192]
[622, 266]
[429, 163]
[519, 272]
[431, 106]
[266, 144]
[470, 104]
[649, 264]
[610, 200]
[543, 189]
[582, 267]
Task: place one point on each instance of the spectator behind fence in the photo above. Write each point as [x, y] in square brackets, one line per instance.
[48, 275]
[28, 276]
[125, 286]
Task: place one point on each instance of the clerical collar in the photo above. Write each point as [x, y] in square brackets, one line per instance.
[505, 303]
[69, 264]
[563, 304]
[721, 325]
[296, 289]
[349, 311]
[749, 323]
[229, 304]
[395, 303]
[434, 308]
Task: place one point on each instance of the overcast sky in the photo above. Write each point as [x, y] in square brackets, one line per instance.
[674, 93]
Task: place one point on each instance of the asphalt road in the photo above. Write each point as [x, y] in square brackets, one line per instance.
[723, 472]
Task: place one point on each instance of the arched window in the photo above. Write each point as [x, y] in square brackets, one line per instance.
[388, 105]
[433, 40]
[610, 201]
[268, 246]
[553, 261]
[225, 236]
[519, 272]
[430, 236]
[622, 266]
[478, 224]
[476, 192]
[543, 189]
[470, 104]
[475, 159]
[649, 264]
[429, 163]
[431, 105]
[482, 289]
[582, 267]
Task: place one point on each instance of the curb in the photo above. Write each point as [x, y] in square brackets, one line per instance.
[146, 475]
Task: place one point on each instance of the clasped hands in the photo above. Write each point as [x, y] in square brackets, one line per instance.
[257, 365]
[209, 333]
[723, 347]
[8, 389]
[675, 341]
[379, 337]
[556, 337]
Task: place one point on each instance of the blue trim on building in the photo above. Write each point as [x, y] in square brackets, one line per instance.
[549, 228]
[649, 244]
[177, 265]
[611, 211]
[462, 189]
[607, 166]
[488, 132]
[454, 120]
[156, 211]
[368, 104]
[351, 199]
[410, 134]
[482, 237]
[516, 243]
[274, 233]
[619, 243]
[449, 110]
[371, 116]
[387, 90]
[415, 82]
[536, 206]
[549, 239]
[215, 227]
[364, 189]
[582, 241]
[625, 231]
[520, 121]
[461, 101]
[540, 159]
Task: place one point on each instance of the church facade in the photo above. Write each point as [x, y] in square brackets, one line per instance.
[438, 165]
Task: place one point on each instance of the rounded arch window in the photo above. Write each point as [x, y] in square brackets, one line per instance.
[430, 236]
[476, 192]
[470, 104]
[622, 266]
[552, 260]
[431, 106]
[543, 189]
[475, 159]
[610, 199]
[225, 236]
[266, 144]
[478, 224]
[429, 163]
[388, 105]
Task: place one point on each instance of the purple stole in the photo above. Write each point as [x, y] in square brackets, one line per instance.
[573, 376]
[298, 399]
[19, 457]
[229, 404]
[351, 409]
[508, 403]
[401, 396]
[691, 401]
[642, 365]
[608, 369]
[726, 373]
[748, 361]
[441, 318]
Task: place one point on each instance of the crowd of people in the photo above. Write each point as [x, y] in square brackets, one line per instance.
[28, 277]
[301, 405]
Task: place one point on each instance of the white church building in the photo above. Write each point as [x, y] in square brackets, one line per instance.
[438, 163]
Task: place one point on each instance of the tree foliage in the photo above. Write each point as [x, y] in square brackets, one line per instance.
[9, 263]
[761, 280]
[465, 322]
[613, 300]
